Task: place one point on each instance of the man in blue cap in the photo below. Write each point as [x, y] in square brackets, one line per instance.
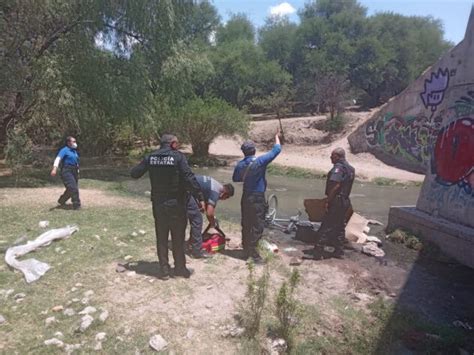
[68, 159]
[251, 171]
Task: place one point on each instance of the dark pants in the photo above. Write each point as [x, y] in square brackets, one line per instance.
[170, 216]
[196, 221]
[333, 227]
[253, 221]
[70, 178]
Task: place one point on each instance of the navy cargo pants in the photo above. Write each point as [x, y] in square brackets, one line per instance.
[170, 216]
[333, 227]
[253, 221]
[70, 178]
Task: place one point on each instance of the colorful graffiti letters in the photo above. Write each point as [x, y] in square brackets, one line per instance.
[435, 88]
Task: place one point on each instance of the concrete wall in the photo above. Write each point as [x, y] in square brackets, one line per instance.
[429, 128]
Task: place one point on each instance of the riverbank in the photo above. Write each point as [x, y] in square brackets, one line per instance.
[313, 156]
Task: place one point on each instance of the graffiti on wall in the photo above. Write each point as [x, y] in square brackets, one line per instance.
[409, 137]
[453, 158]
[435, 88]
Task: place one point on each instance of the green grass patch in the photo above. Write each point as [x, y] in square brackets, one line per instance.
[383, 181]
[280, 170]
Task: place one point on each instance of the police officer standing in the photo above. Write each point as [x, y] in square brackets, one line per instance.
[338, 188]
[68, 159]
[170, 178]
[251, 171]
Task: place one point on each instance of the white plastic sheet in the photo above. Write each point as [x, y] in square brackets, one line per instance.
[33, 269]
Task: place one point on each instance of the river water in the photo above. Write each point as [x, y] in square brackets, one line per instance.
[369, 200]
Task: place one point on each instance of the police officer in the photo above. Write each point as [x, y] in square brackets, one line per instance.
[170, 178]
[213, 191]
[68, 159]
[338, 188]
[251, 171]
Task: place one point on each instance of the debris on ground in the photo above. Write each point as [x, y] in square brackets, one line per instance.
[232, 331]
[277, 346]
[2, 319]
[32, 268]
[53, 341]
[50, 320]
[86, 322]
[88, 310]
[69, 312]
[372, 249]
[43, 224]
[104, 315]
[157, 343]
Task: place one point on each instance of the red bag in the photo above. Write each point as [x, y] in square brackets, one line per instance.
[213, 242]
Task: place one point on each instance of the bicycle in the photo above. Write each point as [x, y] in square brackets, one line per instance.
[287, 225]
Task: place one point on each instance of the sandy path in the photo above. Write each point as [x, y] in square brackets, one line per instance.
[316, 157]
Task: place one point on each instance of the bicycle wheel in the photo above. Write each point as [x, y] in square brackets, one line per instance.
[272, 208]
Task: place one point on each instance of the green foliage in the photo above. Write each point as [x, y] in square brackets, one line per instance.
[286, 308]
[200, 121]
[335, 124]
[411, 241]
[237, 28]
[251, 308]
[18, 151]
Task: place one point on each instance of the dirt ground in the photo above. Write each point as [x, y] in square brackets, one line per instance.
[310, 148]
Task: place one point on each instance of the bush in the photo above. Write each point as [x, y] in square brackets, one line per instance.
[286, 309]
[251, 308]
[18, 151]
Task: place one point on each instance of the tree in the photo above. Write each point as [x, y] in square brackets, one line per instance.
[200, 121]
[238, 28]
[332, 92]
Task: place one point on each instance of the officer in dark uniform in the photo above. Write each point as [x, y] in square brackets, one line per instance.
[170, 178]
[68, 160]
[338, 188]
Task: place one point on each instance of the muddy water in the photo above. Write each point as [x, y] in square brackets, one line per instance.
[369, 200]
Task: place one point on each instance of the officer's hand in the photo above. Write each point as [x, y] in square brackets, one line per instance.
[53, 172]
[202, 206]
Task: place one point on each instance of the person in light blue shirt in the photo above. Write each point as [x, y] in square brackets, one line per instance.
[68, 160]
[252, 172]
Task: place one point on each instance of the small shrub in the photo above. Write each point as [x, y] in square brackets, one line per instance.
[251, 308]
[409, 240]
[286, 309]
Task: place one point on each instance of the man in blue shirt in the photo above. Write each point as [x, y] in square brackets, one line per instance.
[68, 159]
[213, 191]
[251, 171]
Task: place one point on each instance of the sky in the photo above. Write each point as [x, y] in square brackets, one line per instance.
[454, 14]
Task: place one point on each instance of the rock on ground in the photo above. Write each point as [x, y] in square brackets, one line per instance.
[157, 342]
[2, 319]
[88, 310]
[69, 312]
[55, 342]
[372, 249]
[104, 315]
[50, 320]
[100, 336]
[86, 322]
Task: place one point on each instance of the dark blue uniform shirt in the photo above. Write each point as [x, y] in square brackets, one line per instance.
[251, 170]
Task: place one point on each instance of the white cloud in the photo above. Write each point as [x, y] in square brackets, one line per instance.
[283, 9]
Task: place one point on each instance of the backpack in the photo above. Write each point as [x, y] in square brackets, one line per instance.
[213, 242]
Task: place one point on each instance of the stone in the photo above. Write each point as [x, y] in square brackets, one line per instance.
[105, 229]
[58, 308]
[190, 333]
[19, 295]
[86, 322]
[50, 320]
[78, 284]
[74, 289]
[128, 258]
[134, 234]
[85, 301]
[98, 346]
[363, 297]
[2, 319]
[70, 348]
[373, 239]
[75, 300]
[88, 293]
[157, 343]
[278, 346]
[131, 273]
[55, 342]
[9, 292]
[96, 236]
[19, 300]
[88, 310]
[59, 335]
[104, 315]
[120, 268]
[373, 250]
[141, 231]
[100, 336]
[43, 224]
[69, 312]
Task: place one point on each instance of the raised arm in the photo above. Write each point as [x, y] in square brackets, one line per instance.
[267, 158]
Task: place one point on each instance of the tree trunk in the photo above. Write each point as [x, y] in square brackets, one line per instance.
[200, 149]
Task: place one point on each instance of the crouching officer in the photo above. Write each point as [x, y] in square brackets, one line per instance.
[68, 159]
[251, 171]
[338, 188]
[213, 191]
[170, 178]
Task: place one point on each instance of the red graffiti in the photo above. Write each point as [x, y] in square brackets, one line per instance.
[454, 152]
